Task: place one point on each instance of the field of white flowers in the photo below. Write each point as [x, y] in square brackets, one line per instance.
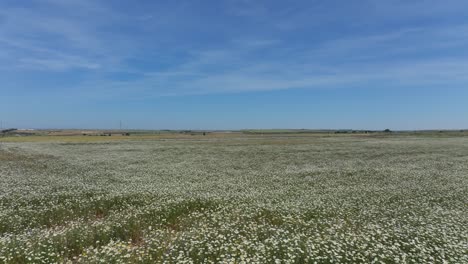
[277, 199]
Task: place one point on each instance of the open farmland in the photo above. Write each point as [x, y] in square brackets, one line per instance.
[235, 199]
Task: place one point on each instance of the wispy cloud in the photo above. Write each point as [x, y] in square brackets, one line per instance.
[237, 69]
[59, 36]
[164, 60]
[54, 64]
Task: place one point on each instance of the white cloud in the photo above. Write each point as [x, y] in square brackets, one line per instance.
[56, 64]
[74, 35]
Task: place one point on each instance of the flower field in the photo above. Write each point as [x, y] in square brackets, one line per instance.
[275, 199]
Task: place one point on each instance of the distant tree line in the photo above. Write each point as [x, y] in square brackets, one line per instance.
[8, 130]
[361, 131]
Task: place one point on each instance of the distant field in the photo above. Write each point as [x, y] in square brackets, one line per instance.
[234, 198]
[79, 137]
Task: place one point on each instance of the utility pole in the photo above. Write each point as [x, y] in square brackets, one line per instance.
[1, 131]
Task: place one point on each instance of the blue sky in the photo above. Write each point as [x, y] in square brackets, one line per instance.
[234, 64]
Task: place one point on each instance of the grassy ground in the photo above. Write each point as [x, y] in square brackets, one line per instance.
[234, 198]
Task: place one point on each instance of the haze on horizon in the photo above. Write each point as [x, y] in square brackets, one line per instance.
[234, 64]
